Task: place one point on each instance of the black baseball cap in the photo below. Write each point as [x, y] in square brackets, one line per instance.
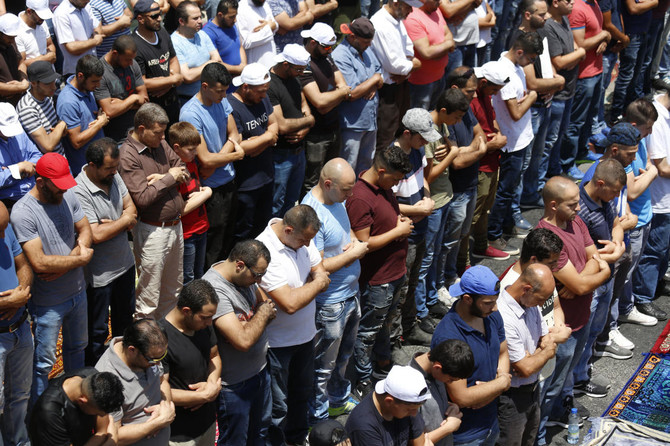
[42, 71]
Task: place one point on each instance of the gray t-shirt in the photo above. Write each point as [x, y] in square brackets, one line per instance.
[467, 31]
[113, 257]
[434, 408]
[140, 390]
[237, 365]
[53, 224]
[561, 42]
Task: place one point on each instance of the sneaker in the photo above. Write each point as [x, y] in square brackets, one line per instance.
[575, 173]
[652, 310]
[362, 389]
[537, 204]
[582, 411]
[501, 245]
[515, 232]
[438, 309]
[418, 337]
[491, 253]
[612, 350]
[344, 409]
[522, 223]
[635, 317]
[598, 380]
[619, 339]
[427, 324]
[446, 298]
[589, 388]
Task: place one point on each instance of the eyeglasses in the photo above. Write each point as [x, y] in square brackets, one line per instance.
[297, 68]
[154, 361]
[255, 274]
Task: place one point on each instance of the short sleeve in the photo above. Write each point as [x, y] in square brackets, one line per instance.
[13, 242]
[274, 95]
[85, 203]
[103, 91]
[207, 42]
[415, 30]
[275, 276]
[588, 241]
[137, 73]
[63, 29]
[123, 190]
[227, 108]
[500, 325]
[314, 254]
[359, 213]
[416, 426]
[75, 207]
[508, 92]
[25, 227]
[68, 111]
[277, 7]
[515, 345]
[30, 119]
[577, 19]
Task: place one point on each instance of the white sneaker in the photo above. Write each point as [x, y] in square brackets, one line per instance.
[619, 339]
[444, 296]
[635, 317]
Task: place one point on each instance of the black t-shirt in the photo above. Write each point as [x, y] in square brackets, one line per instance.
[463, 132]
[322, 71]
[187, 362]
[288, 94]
[366, 426]
[251, 173]
[154, 61]
[57, 421]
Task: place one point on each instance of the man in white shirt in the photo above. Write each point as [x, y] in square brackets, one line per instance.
[257, 28]
[34, 41]
[78, 32]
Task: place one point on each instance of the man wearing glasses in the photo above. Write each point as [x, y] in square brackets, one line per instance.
[147, 410]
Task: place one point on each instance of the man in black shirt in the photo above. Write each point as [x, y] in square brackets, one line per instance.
[74, 410]
[13, 78]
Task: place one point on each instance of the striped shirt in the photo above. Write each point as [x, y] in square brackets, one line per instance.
[35, 114]
[410, 190]
[106, 12]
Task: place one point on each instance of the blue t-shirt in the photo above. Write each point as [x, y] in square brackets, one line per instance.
[641, 206]
[77, 109]
[486, 350]
[226, 41]
[635, 24]
[463, 132]
[211, 122]
[8, 280]
[334, 234]
[192, 52]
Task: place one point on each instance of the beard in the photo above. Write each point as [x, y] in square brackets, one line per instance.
[51, 197]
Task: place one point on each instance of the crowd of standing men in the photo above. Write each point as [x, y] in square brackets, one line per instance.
[152, 162]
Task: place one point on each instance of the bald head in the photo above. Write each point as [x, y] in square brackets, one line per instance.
[336, 182]
[558, 189]
[337, 170]
[534, 286]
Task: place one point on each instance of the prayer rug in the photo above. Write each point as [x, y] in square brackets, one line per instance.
[662, 345]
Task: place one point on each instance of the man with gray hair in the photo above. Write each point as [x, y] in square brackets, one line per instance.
[151, 171]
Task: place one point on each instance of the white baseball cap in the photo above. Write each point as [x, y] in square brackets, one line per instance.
[9, 24]
[253, 74]
[9, 120]
[320, 32]
[294, 54]
[41, 8]
[404, 383]
[494, 72]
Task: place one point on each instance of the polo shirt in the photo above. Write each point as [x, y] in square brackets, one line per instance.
[73, 24]
[289, 267]
[576, 239]
[111, 258]
[78, 109]
[483, 110]
[410, 190]
[658, 144]
[32, 41]
[106, 12]
[519, 133]
[641, 206]
[523, 329]
[587, 15]
[226, 41]
[372, 207]
[192, 52]
[486, 350]
[333, 235]
[140, 390]
[618, 203]
[12, 151]
[260, 45]
[360, 114]
[431, 26]
[212, 123]
[391, 45]
[35, 115]
[599, 219]
[9, 249]
[292, 8]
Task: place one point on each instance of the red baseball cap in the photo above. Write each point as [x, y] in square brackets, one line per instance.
[55, 167]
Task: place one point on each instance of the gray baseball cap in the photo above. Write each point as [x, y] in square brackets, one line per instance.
[419, 120]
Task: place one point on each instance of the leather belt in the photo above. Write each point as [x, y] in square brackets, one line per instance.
[15, 326]
[162, 224]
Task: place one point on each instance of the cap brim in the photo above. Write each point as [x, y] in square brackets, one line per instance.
[10, 130]
[344, 29]
[279, 58]
[305, 34]
[48, 79]
[456, 290]
[64, 183]
[379, 387]
[431, 136]
[237, 81]
[44, 14]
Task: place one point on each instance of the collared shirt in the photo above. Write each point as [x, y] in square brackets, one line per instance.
[140, 390]
[289, 267]
[658, 145]
[360, 114]
[113, 257]
[12, 151]
[519, 133]
[523, 329]
[71, 25]
[391, 45]
[9, 250]
[259, 45]
[161, 201]
[106, 12]
[32, 41]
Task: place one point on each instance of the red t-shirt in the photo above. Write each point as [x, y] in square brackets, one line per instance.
[377, 209]
[587, 15]
[576, 239]
[418, 24]
[195, 222]
[483, 110]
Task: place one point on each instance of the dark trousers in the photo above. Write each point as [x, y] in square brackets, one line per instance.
[393, 103]
[254, 209]
[319, 148]
[221, 213]
[519, 415]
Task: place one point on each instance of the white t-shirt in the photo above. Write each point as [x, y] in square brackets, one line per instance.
[658, 147]
[484, 34]
[519, 133]
[292, 268]
[73, 24]
[31, 41]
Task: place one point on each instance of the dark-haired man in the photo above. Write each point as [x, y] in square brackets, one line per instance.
[222, 31]
[193, 364]
[78, 32]
[33, 40]
[241, 319]
[111, 213]
[13, 82]
[75, 410]
[147, 411]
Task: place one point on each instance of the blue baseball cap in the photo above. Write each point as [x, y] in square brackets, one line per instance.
[476, 280]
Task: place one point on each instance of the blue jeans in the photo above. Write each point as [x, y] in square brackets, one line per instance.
[16, 361]
[628, 84]
[584, 107]
[458, 222]
[652, 48]
[426, 95]
[254, 209]
[374, 328]
[369, 7]
[550, 164]
[120, 296]
[600, 309]
[638, 240]
[505, 11]
[358, 148]
[664, 63]
[291, 370]
[336, 327]
[609, 61]
[425, 293]
[47, 321]
[509, 192]
[489, 440]
[289, 175]
[530, 191]
[654, 260]
[244, 411]
[195, 248]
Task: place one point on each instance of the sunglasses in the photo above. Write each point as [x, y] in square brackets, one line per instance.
[154, 361]
[154, 16]
[326, 47]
